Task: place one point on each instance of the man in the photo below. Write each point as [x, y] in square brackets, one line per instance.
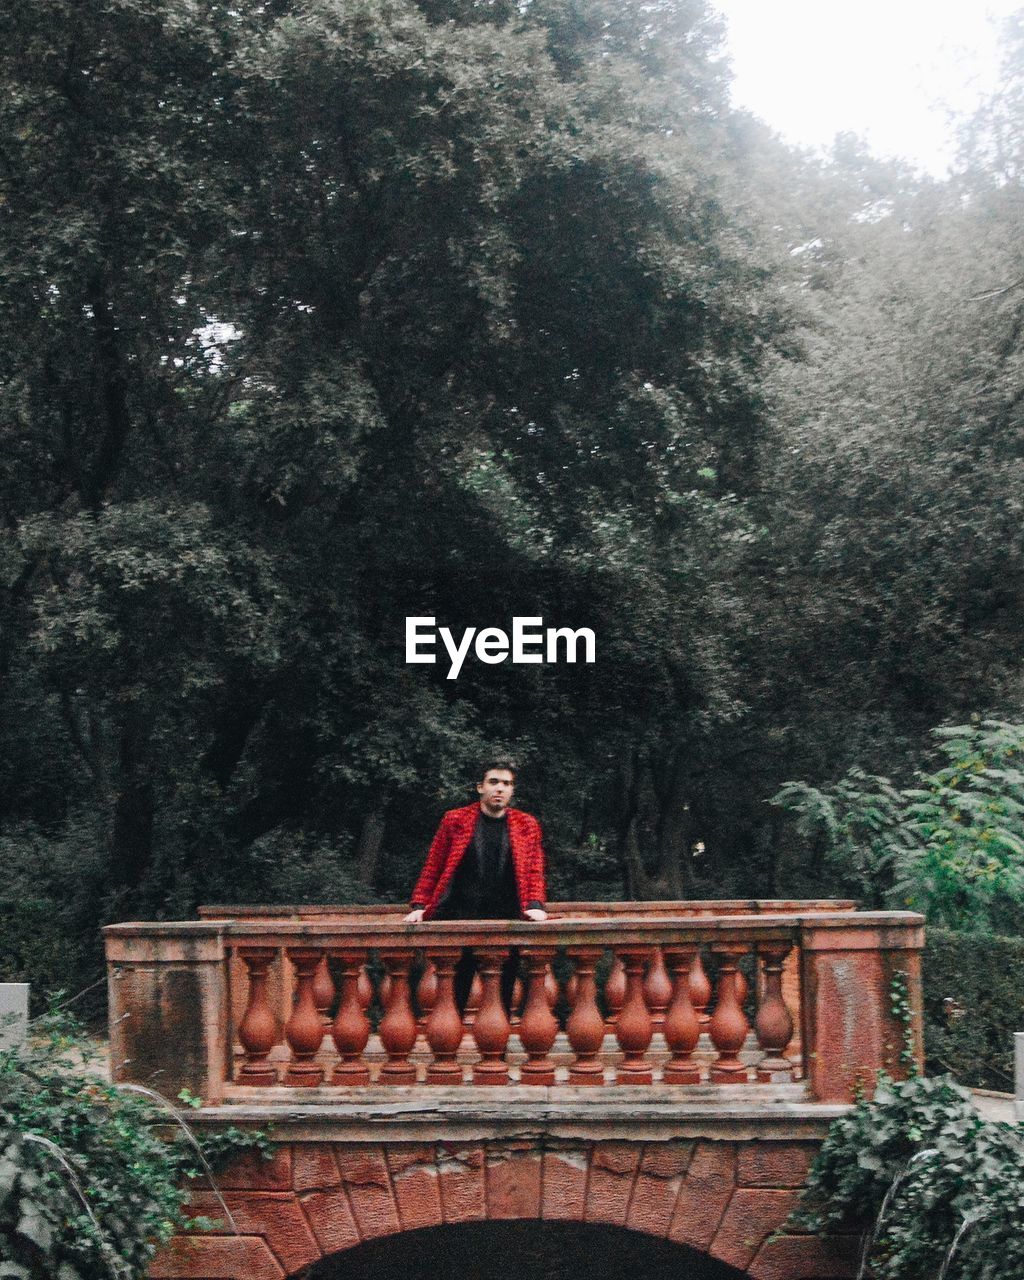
[486, 862]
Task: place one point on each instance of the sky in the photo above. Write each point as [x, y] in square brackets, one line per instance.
[889, 70]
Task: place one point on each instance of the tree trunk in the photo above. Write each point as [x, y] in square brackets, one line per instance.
[675, 829]
[131, 847]
[371, 841]
[627, 828]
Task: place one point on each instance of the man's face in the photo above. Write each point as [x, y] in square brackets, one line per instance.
[495, 791]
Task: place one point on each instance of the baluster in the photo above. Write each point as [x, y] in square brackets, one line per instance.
[365, 989]
[538, 1026]
[491, 1027]
[792, 999]
[444, 1024]
[351, 1029]
[615, 991]
[516, 1012]
[729, 1026]
[634, 1027]
[682, 1028]
[288, 989]
[426, 992]
[304, 1031]
[572, 988]
[657, 989]
[585, 1027]
[397, 1028]
[700, 991]
[774, 1023]
[551, 987]
[323, 991]
[474, 999]
[258, 1030]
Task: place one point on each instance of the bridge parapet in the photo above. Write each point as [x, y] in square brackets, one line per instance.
[263, 1006]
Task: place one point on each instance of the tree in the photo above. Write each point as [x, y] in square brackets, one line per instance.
[348, 312]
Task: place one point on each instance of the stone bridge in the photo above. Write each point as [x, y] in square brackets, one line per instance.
[652, 1104]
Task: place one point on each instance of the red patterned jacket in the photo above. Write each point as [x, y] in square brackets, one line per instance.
[453, 839]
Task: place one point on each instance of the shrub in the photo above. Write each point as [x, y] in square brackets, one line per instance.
[89, 1189]
[952, 847]
[921, 1170]
[973, 1005]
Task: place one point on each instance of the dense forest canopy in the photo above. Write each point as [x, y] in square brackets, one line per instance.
[320, 315]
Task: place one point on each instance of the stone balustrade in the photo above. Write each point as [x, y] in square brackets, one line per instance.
[275, 1002]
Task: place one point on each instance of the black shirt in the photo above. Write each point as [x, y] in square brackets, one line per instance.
[484, 884]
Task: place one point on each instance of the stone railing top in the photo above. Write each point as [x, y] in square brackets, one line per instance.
[665, 906]
[841, 929]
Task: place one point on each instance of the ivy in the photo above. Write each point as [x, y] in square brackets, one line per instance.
[916, 1169]
[903, 1012]
[89, 1185]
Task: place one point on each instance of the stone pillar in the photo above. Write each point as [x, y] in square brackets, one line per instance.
[850, 1030]
[168, 988]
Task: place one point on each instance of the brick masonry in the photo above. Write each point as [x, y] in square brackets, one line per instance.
[731, 1200]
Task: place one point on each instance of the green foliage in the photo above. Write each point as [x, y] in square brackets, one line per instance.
[49, 903]
[292, 867]
[903, 1012]
[87, 1171]
[972, 1005]
[916, 1166]
[352, 312]
[966, 820]
[953, 846]
[89, 1183]
[855, 822]
[348, 312]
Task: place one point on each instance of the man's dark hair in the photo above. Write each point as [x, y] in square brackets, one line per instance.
[499, 762]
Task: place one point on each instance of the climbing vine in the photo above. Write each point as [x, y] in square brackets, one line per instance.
[929, 1182]
[89, 1184]
[903, 1012]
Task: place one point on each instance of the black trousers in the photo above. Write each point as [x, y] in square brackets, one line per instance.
[466, 969]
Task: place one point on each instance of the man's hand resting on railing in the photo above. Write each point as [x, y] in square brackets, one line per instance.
[535, 913]
[414, 916]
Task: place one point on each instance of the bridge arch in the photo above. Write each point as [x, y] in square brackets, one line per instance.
[719, 1206]
[521, 1249]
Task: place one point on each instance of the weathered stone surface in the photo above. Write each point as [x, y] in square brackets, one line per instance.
[274, 1215]
[416, 1183]
[774, 1164]
[750, 1217]
[314, 1167]
[704, 1195]
[662, 1168]
[216, 1258]
[168, 1007]
[513, 1176]
[251, 1172]
[805, 1258]
[329, 1215]
[847, 969]
[367, 1179]
[613, 1170]
[463, 1182]
[564, 1190]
